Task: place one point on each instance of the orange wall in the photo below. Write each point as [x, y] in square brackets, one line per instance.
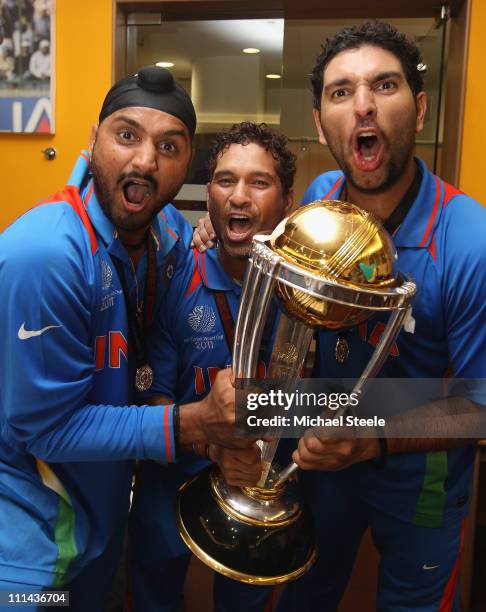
[473, 152]
[83, 76]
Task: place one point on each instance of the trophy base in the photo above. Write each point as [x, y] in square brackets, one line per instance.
[253, 535]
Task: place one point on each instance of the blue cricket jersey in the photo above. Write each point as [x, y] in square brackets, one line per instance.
[188, 346]
[187, 349]
[441, 243]
[69, 431]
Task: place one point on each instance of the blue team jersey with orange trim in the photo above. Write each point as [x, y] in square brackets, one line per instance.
[69, 430]
[189, 347]
[187, 350]
[441, 244]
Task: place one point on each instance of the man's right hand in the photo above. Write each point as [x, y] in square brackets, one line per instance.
[213, 418]
[203, 237]
[241, 467]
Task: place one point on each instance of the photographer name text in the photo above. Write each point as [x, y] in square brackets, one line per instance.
[307, 421]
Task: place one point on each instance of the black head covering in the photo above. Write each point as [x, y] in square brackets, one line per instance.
[152, 87]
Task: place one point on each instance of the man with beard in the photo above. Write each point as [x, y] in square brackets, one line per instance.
[413, 493]
[250, 191]
[81, 275]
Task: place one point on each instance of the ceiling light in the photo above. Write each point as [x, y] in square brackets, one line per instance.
[273, 76]
[251, 50]
[165, 64]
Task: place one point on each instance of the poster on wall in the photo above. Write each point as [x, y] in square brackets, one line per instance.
[27, 76]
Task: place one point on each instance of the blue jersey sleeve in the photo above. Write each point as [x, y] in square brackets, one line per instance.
[179, 224]
[312, 192]
[163, 358]
[462, 255]
[47, 278]
[321, 186]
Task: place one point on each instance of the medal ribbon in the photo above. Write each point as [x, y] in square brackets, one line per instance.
[139, 326]
[229, 324]
[226, 318]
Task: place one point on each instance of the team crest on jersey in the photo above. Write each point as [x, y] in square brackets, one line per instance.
[202, 318]
[168, 269]
[106, 275]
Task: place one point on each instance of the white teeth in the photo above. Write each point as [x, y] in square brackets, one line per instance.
[369, 158]
[367, 134]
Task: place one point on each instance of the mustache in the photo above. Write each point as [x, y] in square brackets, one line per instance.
[138, 175]
[368, 124]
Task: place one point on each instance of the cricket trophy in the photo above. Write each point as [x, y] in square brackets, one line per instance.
[330, 265]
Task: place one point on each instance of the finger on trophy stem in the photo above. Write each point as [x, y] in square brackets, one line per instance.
[286, 473]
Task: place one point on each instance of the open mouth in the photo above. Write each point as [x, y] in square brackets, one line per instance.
[368, 146]
[368, 150]
[239, 227]
[137, 193]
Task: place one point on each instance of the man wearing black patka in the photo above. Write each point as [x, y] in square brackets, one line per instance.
[82, 275]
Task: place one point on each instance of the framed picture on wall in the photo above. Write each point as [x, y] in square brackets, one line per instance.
[27, 75]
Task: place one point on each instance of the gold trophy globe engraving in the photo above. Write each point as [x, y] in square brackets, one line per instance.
[330, 265]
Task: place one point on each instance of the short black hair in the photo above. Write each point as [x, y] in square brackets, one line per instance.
[248, 132]
[378, 34]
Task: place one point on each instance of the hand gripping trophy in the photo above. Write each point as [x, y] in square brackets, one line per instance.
[330, 265]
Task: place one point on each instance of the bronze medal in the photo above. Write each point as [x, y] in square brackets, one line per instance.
[144, 378]
[342, 350]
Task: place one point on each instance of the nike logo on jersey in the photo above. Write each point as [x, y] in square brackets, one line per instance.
[429, 567]
[25, 334]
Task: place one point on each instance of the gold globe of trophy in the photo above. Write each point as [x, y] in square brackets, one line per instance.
[331, 265]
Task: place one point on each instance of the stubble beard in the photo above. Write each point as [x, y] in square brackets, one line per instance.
[233, 252]
[401, 153]
[239, 253]
[124, 221]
